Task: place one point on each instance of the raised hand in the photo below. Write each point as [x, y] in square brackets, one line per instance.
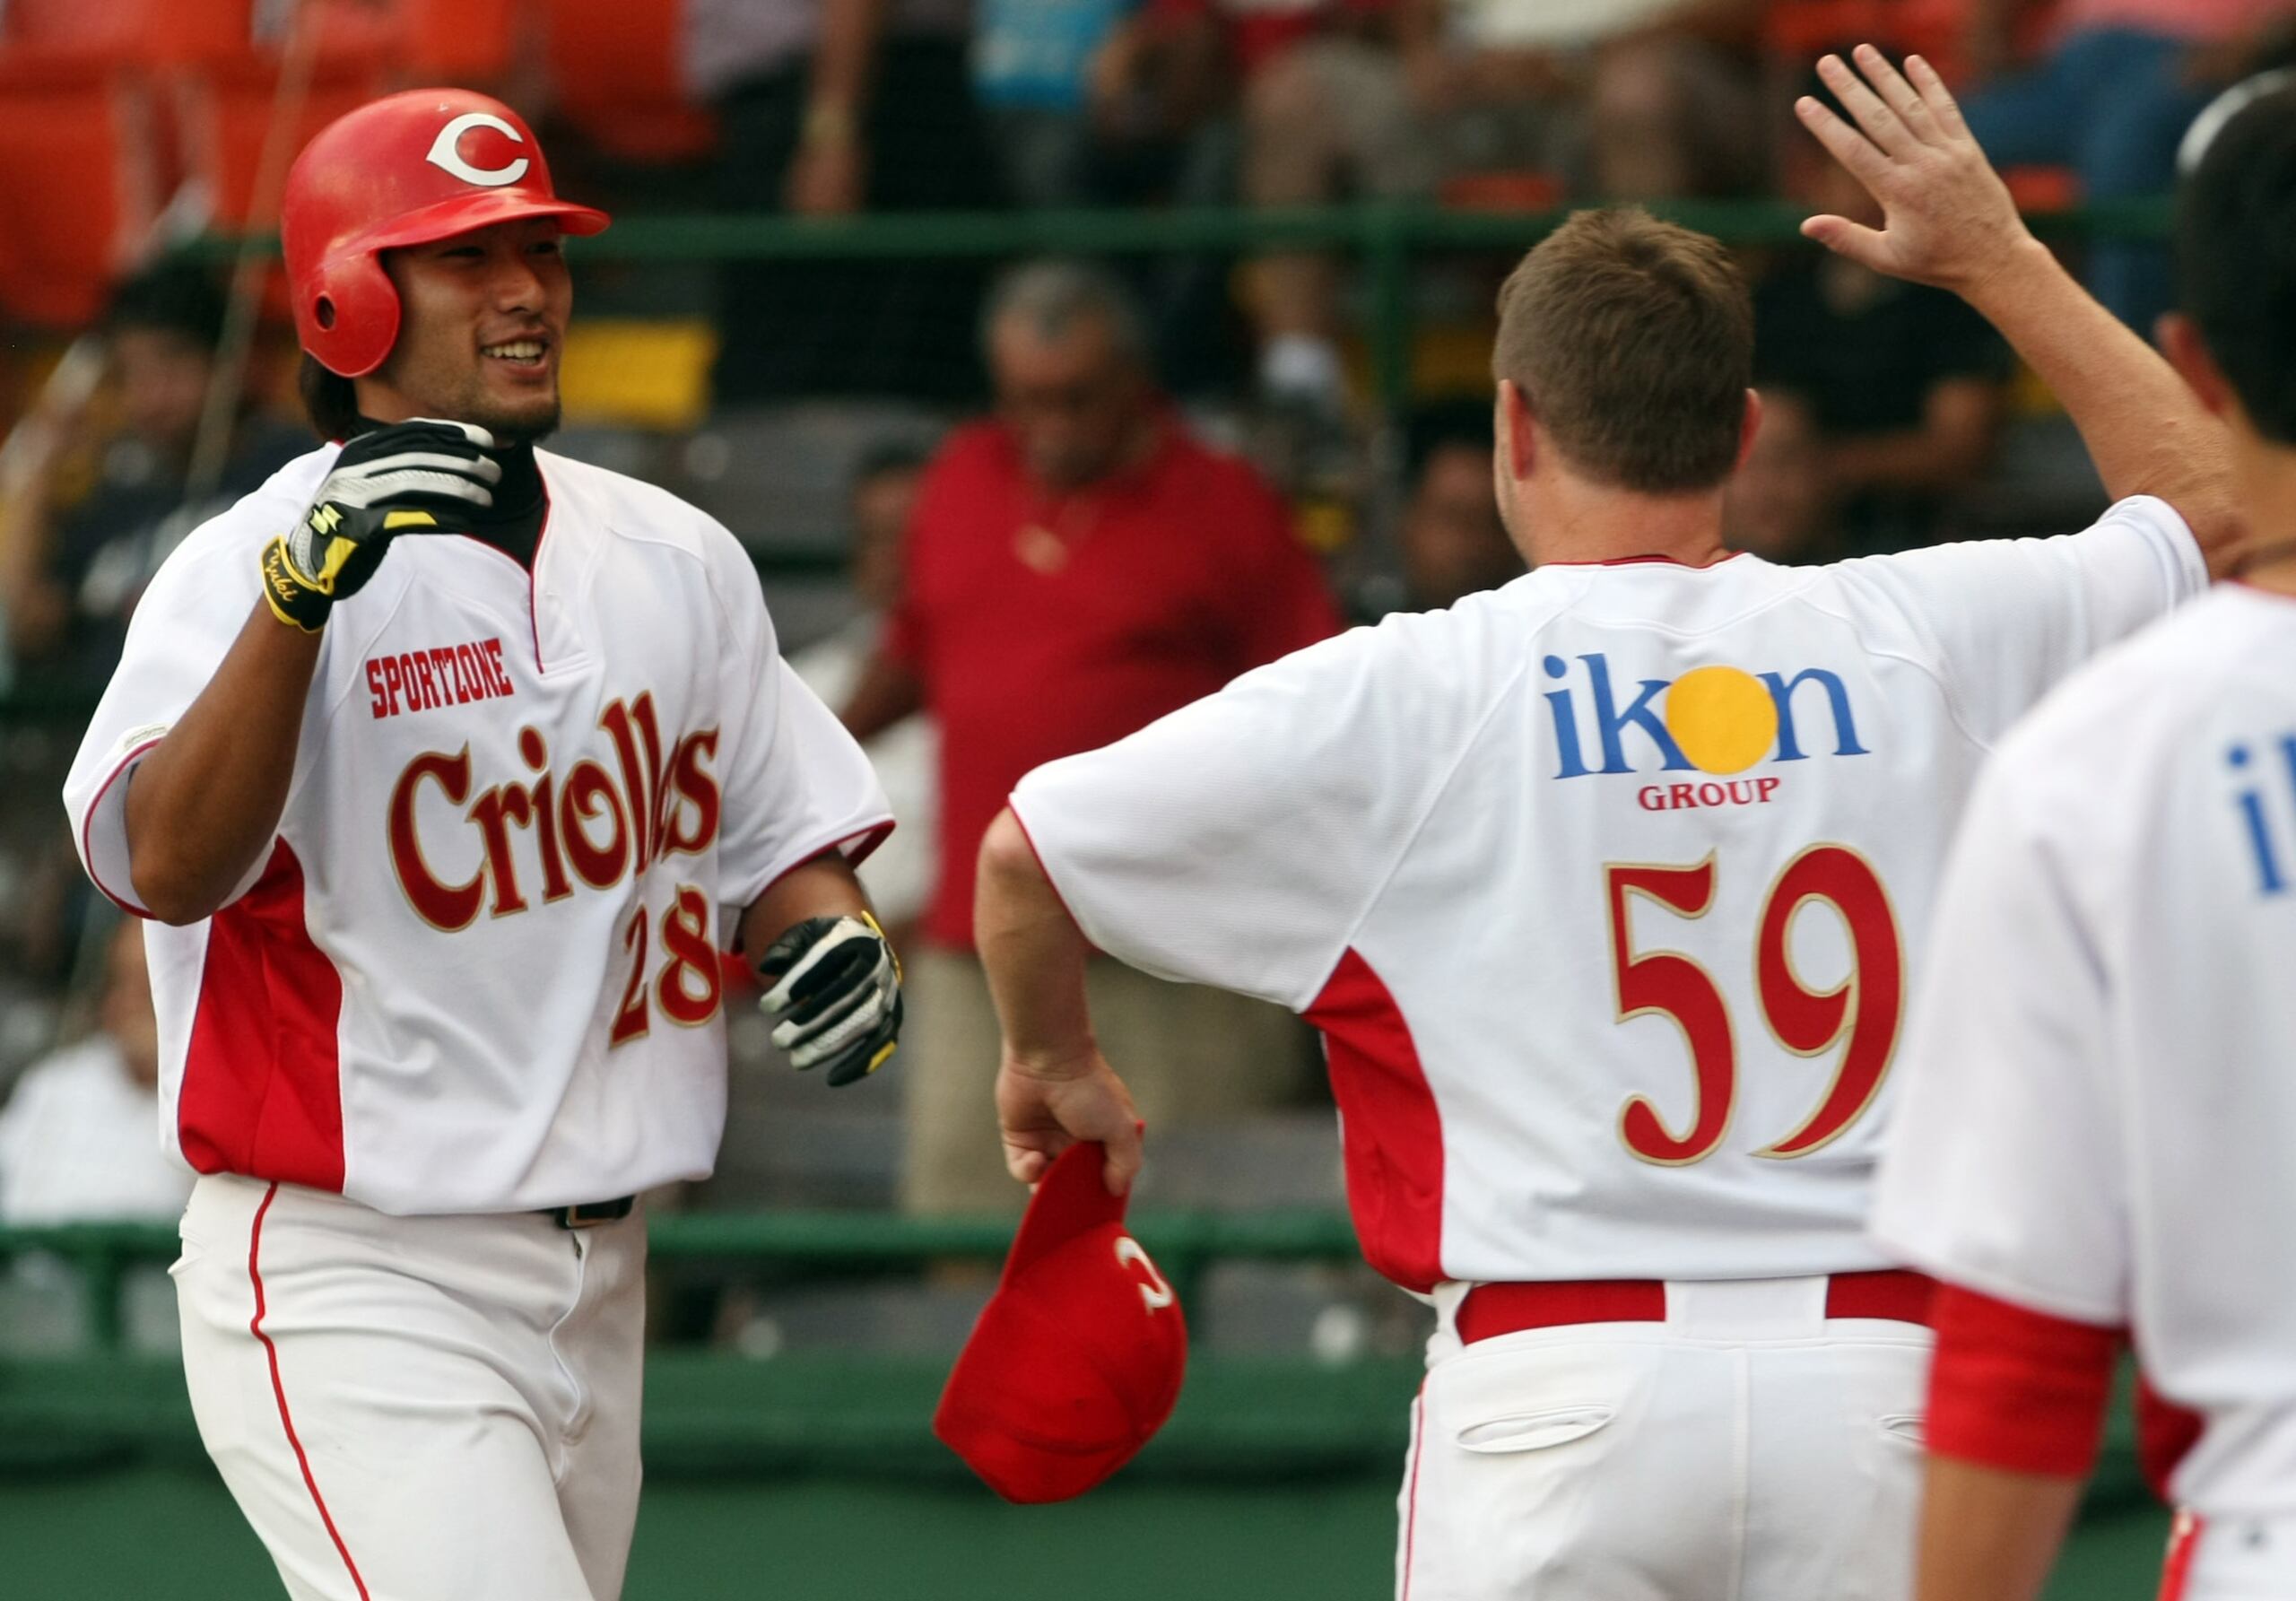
[1947, 219]
[418, 477]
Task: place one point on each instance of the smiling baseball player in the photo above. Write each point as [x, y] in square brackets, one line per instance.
[2095, 1140]
[1604, 889]
[445, 767]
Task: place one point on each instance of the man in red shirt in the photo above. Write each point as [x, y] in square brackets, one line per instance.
[1078, 566]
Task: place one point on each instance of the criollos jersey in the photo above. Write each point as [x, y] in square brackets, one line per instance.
[477, 969]
[1606, 889]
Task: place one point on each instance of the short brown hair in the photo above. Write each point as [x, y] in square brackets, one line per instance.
[1633, 341]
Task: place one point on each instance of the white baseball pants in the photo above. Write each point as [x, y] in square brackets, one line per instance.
[1746, 1449]
[417, 1408]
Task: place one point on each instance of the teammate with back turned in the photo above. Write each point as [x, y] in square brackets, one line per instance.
[1605, 890]
[2094, 1141]
[444, 766]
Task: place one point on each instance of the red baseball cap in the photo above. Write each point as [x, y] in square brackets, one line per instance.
[1078, 1357]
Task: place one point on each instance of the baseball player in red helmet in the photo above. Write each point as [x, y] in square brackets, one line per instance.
[444, 768]
[1606, 889]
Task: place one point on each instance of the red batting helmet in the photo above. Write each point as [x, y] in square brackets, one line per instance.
[406, 170]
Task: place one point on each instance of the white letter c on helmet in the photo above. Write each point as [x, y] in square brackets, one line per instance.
[446, 154]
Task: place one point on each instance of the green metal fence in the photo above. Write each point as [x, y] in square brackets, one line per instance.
[818, 1243]
[1383, 235]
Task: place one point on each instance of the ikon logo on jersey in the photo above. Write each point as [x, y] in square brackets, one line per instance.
[1717, 720]
[2266, 820]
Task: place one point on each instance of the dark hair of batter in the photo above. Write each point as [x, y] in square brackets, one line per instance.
[1633, 341]
[330, 400]
[2236, 258]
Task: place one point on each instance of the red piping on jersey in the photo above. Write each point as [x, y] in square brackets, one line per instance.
[1649, 560]
[1391, 1130]
[279, 1391]
[2013, 1388]
[87, 848]
[534, 621]
[262, 1090]
[1030, 840]
[874, 835]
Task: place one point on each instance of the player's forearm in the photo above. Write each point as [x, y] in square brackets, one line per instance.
[1988, 1534]
[839, 89]
[1034, 954]
[205, 804]
[825, 887]
[2144, 428]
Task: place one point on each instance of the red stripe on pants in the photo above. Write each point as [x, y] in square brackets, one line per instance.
[255, 1328]
[2176, 1569]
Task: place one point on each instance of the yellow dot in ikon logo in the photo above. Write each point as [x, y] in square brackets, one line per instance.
[1724, 720]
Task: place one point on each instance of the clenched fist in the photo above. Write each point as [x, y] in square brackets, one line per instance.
[410, 477]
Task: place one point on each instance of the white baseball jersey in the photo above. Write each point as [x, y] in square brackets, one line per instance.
[478, 968]
[1601, 886]
[2098, 1115]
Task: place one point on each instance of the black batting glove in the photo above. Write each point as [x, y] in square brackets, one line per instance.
[835, 985]
[410, 477]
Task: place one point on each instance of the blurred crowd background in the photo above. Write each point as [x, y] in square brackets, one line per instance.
[1156, 408]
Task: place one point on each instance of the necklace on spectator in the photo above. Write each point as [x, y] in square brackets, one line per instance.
[1044, 544]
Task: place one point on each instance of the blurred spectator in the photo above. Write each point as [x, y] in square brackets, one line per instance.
[1672, 117]
[1399, 98]
[1453, 544]
[1906, 382]
[80, 1136]
[95, 498]
[827, 108]
[1778, 505]
[1078, 567]
[2109, 96]
[1034, 66]
[898, 875]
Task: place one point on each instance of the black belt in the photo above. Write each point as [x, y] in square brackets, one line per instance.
[589, 1215]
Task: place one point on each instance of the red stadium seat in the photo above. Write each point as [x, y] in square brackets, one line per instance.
[224, 112]
[124, 32]
[616, 70]
[468, 42]
[77, 187]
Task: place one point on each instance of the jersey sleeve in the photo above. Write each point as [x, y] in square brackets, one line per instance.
[795, 783]
[198, 602]
[2002, 1171]
[1238, 841]
[2006, 619]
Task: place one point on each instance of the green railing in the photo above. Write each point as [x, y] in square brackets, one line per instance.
[860, 1413]
[812, 1244]
[1384, 235]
